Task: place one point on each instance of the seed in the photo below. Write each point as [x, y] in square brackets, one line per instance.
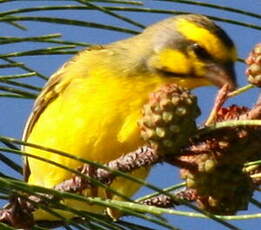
[167, 116]
[190, 183]
[175, 100]
[188, 101]
[160, 132]
[181, 111]
[209, 165]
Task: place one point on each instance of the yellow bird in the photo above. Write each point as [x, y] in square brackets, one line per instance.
[90, 107]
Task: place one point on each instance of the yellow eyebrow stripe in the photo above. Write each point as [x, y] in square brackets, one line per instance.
[211, 42]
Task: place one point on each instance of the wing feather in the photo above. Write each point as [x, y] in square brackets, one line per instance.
[50, 91]
[55, 85]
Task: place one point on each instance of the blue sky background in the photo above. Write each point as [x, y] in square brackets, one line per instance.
[14, 112]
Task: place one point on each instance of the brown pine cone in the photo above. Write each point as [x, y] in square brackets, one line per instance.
[213, 164]
[169, 118]
[253, 71]
[224, 190]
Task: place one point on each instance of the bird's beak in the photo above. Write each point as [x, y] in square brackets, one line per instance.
[221, 74]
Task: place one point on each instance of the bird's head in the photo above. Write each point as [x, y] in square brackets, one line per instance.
[194, 48]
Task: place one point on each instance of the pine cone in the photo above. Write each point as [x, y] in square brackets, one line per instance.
[253, 71]
[223, 191]
[169, 118]
[213, 164]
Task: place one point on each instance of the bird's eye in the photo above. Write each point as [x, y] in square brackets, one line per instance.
[199, 50]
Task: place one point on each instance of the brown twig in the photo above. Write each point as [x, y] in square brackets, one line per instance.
[219, 101]
[166, 201]
[142, 157]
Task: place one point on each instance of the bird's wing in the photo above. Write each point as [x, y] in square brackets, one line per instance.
[48, 94]
[50, 91]
[53, 88]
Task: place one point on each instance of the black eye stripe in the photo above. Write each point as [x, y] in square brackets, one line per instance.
[200, 51]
